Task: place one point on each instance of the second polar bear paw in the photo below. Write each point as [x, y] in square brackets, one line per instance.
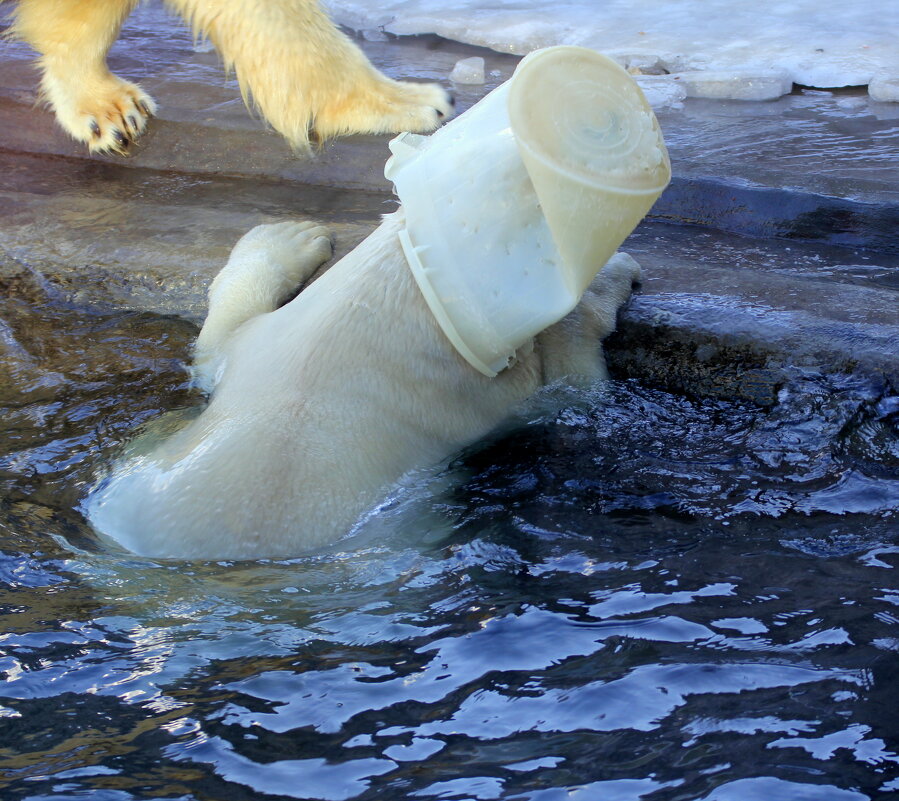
[289, 252]
[386, 106]
[106, 113]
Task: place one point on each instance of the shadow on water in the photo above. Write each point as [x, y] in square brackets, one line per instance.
[629, 594]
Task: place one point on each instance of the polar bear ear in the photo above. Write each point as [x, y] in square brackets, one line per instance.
[513, 208]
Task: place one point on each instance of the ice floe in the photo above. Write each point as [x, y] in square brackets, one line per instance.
[468, 70]
[751, 48]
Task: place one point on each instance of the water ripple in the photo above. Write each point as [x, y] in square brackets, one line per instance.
[629, 594]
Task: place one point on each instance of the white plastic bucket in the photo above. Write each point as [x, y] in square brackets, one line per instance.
[515, 206]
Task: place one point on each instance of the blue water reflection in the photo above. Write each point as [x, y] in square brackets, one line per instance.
[628, 595]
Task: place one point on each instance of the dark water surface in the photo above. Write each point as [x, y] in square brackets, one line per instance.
[631, 595]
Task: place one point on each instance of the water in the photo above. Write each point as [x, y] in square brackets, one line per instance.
[629, 594]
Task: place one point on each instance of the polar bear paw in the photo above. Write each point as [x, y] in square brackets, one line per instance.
[610, 290]
[618, 277]
[288, 252]
[386, 106]
[267, 266]
[104, 112]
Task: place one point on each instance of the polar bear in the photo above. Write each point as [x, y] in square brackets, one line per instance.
[318, 406]
[302, 73]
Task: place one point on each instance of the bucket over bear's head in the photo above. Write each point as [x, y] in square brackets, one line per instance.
[513, 207]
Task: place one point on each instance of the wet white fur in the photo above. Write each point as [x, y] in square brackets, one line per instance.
[319, 406]
[300, 71]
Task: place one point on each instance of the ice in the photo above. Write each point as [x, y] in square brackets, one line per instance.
[661, 91]
[852, 104]
[642, 64]
[736, 84]
[374, 35]
[884, 88]
[468, 70]
[814, 43]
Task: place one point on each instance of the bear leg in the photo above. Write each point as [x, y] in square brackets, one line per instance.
[304, 75]
[92, 105]
[267, 265]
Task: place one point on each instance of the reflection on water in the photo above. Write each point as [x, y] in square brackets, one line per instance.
[631, 595]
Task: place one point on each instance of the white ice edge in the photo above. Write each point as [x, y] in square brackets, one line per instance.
[814, 42]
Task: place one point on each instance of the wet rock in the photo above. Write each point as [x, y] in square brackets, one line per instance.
[731, 317]
[149, 232]
[107, 236]
[374, 35]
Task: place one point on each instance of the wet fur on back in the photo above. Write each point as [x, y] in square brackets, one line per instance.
[319, 406]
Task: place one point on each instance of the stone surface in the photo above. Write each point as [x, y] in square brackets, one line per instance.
[837, 144]
[718, 313]
[725, 315]
[108, 235]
